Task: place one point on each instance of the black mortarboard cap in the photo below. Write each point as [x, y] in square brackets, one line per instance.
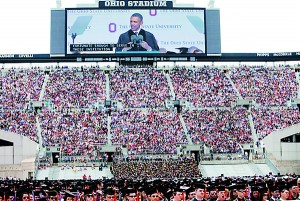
[283, 187]
[292, 183]
[151, 191]
[240, 186]
[20, 192]
[39, 193]
[109, 191]
[273, 188]
[9, 193]
[254, 188]
[168, 193]
[88, 191]
[130, 190]
[211, 188]
[177, 190]
[199, 185]
[263, 190]
[189, 190]
[220, 188]
[69, 194]
[52, 193]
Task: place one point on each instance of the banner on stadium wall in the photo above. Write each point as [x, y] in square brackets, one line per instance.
[135, 4]
[224, 56]
[265, 54]
[278, 54]
[24, 56]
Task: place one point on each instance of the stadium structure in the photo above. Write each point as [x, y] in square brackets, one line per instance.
[86, 110]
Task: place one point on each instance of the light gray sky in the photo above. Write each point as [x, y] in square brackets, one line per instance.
[246, 25]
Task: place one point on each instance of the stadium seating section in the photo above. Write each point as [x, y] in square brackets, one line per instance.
[71, 115]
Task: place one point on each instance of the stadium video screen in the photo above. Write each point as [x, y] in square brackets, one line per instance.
[117, 31]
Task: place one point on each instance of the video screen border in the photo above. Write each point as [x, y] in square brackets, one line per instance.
[134, 53]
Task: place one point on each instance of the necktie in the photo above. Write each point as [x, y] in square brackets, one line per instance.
[136, 33]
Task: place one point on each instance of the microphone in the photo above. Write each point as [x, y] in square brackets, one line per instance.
[140, 39]
[133, 39]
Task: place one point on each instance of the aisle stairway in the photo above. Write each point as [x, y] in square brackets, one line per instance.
[44, 87]
[170, 85]
[185, 129]
[108, 130]
[298, 81]
[107, 87]
[233, 86]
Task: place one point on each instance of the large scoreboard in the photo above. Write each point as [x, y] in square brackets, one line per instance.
[92, 34]
[108, 32]
[97, 31]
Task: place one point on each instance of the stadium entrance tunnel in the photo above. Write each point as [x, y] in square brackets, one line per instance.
[110, 158]
[197, 156]
[55, 157]
[4, 143]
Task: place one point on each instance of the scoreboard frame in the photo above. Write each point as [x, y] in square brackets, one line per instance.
[109, 46]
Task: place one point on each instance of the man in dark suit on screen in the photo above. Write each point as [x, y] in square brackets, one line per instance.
[137, 39]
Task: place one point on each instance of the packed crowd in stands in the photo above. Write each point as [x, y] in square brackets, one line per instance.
[76, 132]
[221, 188]
[222, 130]
[267, 86]
[20, 122]
[142, 130]
[152, 131]
[67, 88]
[44, 162]
[203, 87]
[139, 87]
[267, 120]
[170, 168]
[18, 87]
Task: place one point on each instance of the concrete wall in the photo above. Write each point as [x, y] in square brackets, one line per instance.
[283, 150]
[23, 148]
[286, 167]
[18, 160]
[290, 151]
[11, 171]
[7, 155]
[19, 171]
[28, 167]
